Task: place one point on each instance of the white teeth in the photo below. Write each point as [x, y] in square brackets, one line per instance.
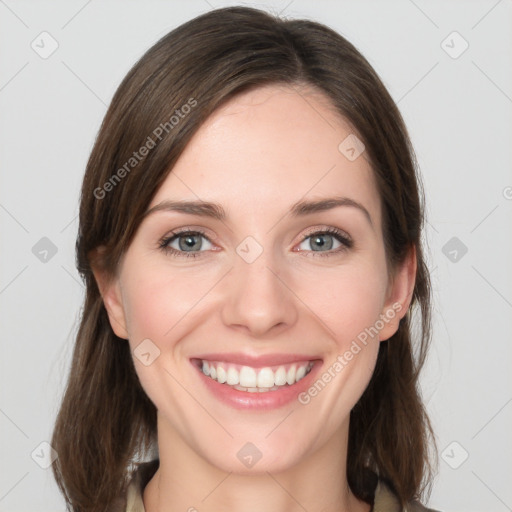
[256, 390]
[290, 376]
[280, 376]
[253, 380]
[301, 371]
[233, 377]
[221, 375]
[265, 378]
[247, 377]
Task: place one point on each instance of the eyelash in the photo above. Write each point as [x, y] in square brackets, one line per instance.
[339, 235]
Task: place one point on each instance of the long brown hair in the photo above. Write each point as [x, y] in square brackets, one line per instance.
[106, 421]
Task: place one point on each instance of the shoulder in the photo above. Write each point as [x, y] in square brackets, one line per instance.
[387, 501]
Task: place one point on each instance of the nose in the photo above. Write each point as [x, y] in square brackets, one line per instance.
[258, 298]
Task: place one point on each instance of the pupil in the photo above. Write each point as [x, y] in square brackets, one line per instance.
[319, 241]
[188, 242]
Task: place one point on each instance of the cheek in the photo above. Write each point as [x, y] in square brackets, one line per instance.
[347, 300]
[159, 305]
[350, 307]
[156, 302]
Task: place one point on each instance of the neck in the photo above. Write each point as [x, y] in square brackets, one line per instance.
[188, 482]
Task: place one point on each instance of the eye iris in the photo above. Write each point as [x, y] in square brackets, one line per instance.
[188, 243]
[319, 241]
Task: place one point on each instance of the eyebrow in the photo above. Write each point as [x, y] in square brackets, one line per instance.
[216, 211]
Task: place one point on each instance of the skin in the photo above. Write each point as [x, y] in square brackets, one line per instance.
[258, 155]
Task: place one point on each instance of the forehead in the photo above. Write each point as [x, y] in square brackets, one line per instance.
[268, 148]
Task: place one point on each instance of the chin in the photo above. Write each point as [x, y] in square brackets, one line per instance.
[256, 458]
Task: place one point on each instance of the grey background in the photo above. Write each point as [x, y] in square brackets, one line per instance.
[458, 111]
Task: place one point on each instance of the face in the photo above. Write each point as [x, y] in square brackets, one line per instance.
[279, 291]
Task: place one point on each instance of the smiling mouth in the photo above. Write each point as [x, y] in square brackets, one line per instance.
[255, 380]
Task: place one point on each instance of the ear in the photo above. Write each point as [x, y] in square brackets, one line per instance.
[111, 294]
[399, 295]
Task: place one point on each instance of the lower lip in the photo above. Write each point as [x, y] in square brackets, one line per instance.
[258, 400]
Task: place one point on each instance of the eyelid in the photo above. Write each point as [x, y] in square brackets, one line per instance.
[327, 229]
[190, 229]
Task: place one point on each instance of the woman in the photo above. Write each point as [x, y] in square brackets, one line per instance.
[250, 240]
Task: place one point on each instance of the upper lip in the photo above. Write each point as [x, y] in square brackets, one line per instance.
[257, 361]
